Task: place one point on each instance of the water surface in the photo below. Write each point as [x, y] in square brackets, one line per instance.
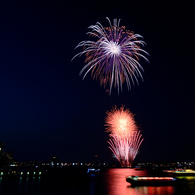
[108, 182]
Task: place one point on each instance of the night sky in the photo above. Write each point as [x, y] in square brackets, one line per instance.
[47, 110]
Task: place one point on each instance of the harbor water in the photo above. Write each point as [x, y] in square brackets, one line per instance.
[107, 182]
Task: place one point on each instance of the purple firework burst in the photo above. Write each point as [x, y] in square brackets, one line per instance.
[114, 57]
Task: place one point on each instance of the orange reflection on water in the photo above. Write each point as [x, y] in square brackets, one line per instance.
[117, 185]
[152, 190]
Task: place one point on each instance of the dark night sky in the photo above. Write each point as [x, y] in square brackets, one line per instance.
[47, 110]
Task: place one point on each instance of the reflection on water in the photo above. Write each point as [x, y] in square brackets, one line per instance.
[117, 184]
[108, 182]
[19, 185]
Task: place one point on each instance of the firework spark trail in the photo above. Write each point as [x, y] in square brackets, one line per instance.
[125, 150]
[137, 140]
[125, 138]
[114, 57]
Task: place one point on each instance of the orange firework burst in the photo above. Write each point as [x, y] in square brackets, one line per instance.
[125, 138]
[120, 122]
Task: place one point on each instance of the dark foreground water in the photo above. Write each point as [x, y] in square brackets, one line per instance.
[109, 181]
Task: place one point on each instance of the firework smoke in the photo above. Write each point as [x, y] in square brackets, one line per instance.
[125, 138]
[114, 57]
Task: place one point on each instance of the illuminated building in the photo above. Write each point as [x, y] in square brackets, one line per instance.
[1, 148]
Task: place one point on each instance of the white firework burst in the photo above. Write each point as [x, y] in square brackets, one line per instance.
[114, 57]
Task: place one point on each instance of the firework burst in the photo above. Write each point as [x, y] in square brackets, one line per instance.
[120, 122]
[125, 138]
[114, 57]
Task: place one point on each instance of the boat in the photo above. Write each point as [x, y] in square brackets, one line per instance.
[180, 172]
[138, 168]
[93, 170]
[151, 181]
